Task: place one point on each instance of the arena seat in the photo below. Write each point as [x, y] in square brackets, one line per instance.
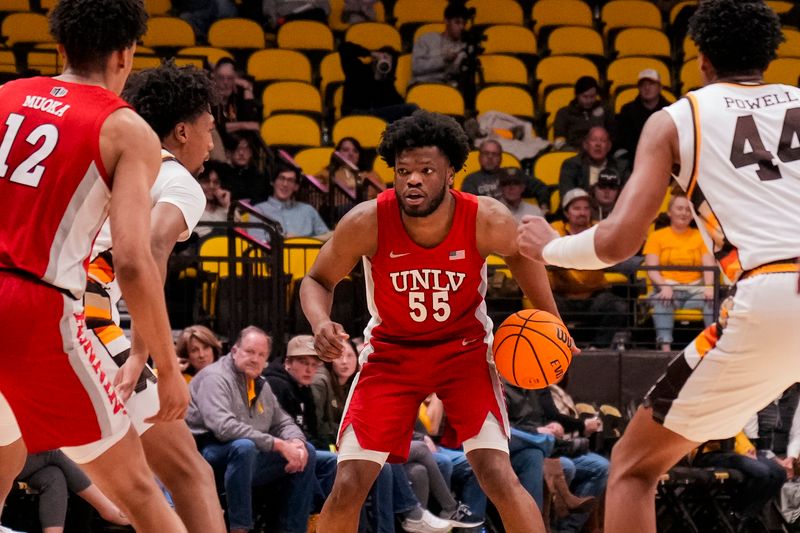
[689, 49]
[557, 71]
[168, 32]
[275, 64]
[437, 97]
[575, 40]
[157, 7]
[25, 28]
[791, 46]
[509, 39]
[555, 100]
[690, 76]
[374, 35]
[625, 72]
[506, 98]
[290, 130]
[781, 7]
[236, 33]
[503, 69]
[547, 13]
[628, 95]
[496, 12]
[676, 9]
[403, 74]
[7, 61]
[784, 70]
[305, 35]
[14, 6]
[548, 167]
[299, 253]
[619, 14]
[331, 74]
[383, 170]
[415, 12]
[366, 129]
[47, 62]
[642, 42]
[312, 160]
[291, 96]
[211, 54]
[144, 61]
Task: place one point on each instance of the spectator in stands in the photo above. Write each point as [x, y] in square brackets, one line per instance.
[247, 438]
[633, 115]
[53, 476]
[369, 87]
[330, 388]
[202, 13]
[345, 166]
[583, 296]
[585, 111]
[583, 170]
[237, 109]
[278, 12]
[682, 246]
[484, 182]
[197, 347]
[605, 193]
[512, 185]
[437, 57]
[218, 199]
[298, 219]
[358, 11]
[243, 178]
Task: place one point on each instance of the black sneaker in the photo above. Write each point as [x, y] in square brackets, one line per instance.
[462, 517]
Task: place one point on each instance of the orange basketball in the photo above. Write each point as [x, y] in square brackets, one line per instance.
[532, 349]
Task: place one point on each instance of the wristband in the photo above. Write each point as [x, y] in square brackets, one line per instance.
[574, 251]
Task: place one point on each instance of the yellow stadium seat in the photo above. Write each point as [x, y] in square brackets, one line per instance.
[236, 33]
[780, 7]
[15, 5]
[157, 7]
[625, 71]
[290, 130]
[367, 130]
[642, 42]
[25, 28]
[305, 35]
[299, 253]
[312, 160]
[689, 49]
[496, 12]
[548, 167]
[555, 201]
[412, 12]
[291, 96]
[403, 74]
[338, 98]
[619, 14]
[168, 32]
[791, 46]
[575, 40]
[142, 62]
[212, 55]
[330, 72]
[508, 99]
[7, 61]
[498, 68]
[374, 35]
[437, 97]
[335, 21]
[383, 170]
[690, 76]
[629, 95]
[563, 70]
[276, 64]
[784, 70]
[508, 39]
[429, 27]
[676, 9]
[548, 13]
[555, 100]
[47, 62]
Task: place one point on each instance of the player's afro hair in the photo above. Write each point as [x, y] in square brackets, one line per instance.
[737, 36]
[424, 128]
[91, 30]
[167, 95]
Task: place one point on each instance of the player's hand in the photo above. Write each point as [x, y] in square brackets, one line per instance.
[173, 398]
[127, 377]
[665, 293]
[532, 236]
[329, 338]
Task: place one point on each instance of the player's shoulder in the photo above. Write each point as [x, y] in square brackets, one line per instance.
[488, 206]
[364, 215]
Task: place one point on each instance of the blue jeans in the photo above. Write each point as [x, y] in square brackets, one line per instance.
[528, 463]
[464, 482]
[242, 466]
[690, 297]
[325, 472]
[587, 475]
[383, 503]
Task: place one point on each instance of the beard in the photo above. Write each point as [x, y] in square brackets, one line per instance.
[423, 210]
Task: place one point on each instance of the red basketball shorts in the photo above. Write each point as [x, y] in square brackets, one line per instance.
[395, 379]
[49, 375]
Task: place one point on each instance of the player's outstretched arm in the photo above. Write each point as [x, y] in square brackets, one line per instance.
[131, 153]
[355, 236]
[497, 234]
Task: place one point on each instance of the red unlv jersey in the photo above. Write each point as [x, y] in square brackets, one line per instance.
[427, 295]
[54, 190]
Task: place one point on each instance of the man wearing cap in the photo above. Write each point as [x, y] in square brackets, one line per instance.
[585, 111]
[633, 115]
[583, 296]
[604, 193]
[247, 438]
[512, 185]
[583, 170]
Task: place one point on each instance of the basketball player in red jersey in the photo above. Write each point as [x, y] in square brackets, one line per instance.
[66, 143]
[424, 247]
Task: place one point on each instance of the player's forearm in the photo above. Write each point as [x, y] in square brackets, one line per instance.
[316, 300]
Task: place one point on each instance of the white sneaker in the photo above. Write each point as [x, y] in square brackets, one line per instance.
[4, 529]
[429, 523]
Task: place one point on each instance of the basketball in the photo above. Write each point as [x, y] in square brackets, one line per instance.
[532, 349]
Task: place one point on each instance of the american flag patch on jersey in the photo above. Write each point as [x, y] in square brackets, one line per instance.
[458, 254]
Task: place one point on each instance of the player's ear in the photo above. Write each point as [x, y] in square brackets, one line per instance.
[451, 173]
[180, 133]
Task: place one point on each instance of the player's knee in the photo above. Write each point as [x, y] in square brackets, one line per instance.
[497, 478]
[626, 466]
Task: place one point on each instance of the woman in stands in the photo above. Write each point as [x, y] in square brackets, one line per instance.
[197, 348]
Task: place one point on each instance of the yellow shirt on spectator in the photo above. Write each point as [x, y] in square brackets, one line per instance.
[678, 249]
[574, 284]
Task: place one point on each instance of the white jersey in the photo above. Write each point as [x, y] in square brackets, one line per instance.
[740, 166]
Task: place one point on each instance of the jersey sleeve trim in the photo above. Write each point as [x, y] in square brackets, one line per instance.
[692, 99]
